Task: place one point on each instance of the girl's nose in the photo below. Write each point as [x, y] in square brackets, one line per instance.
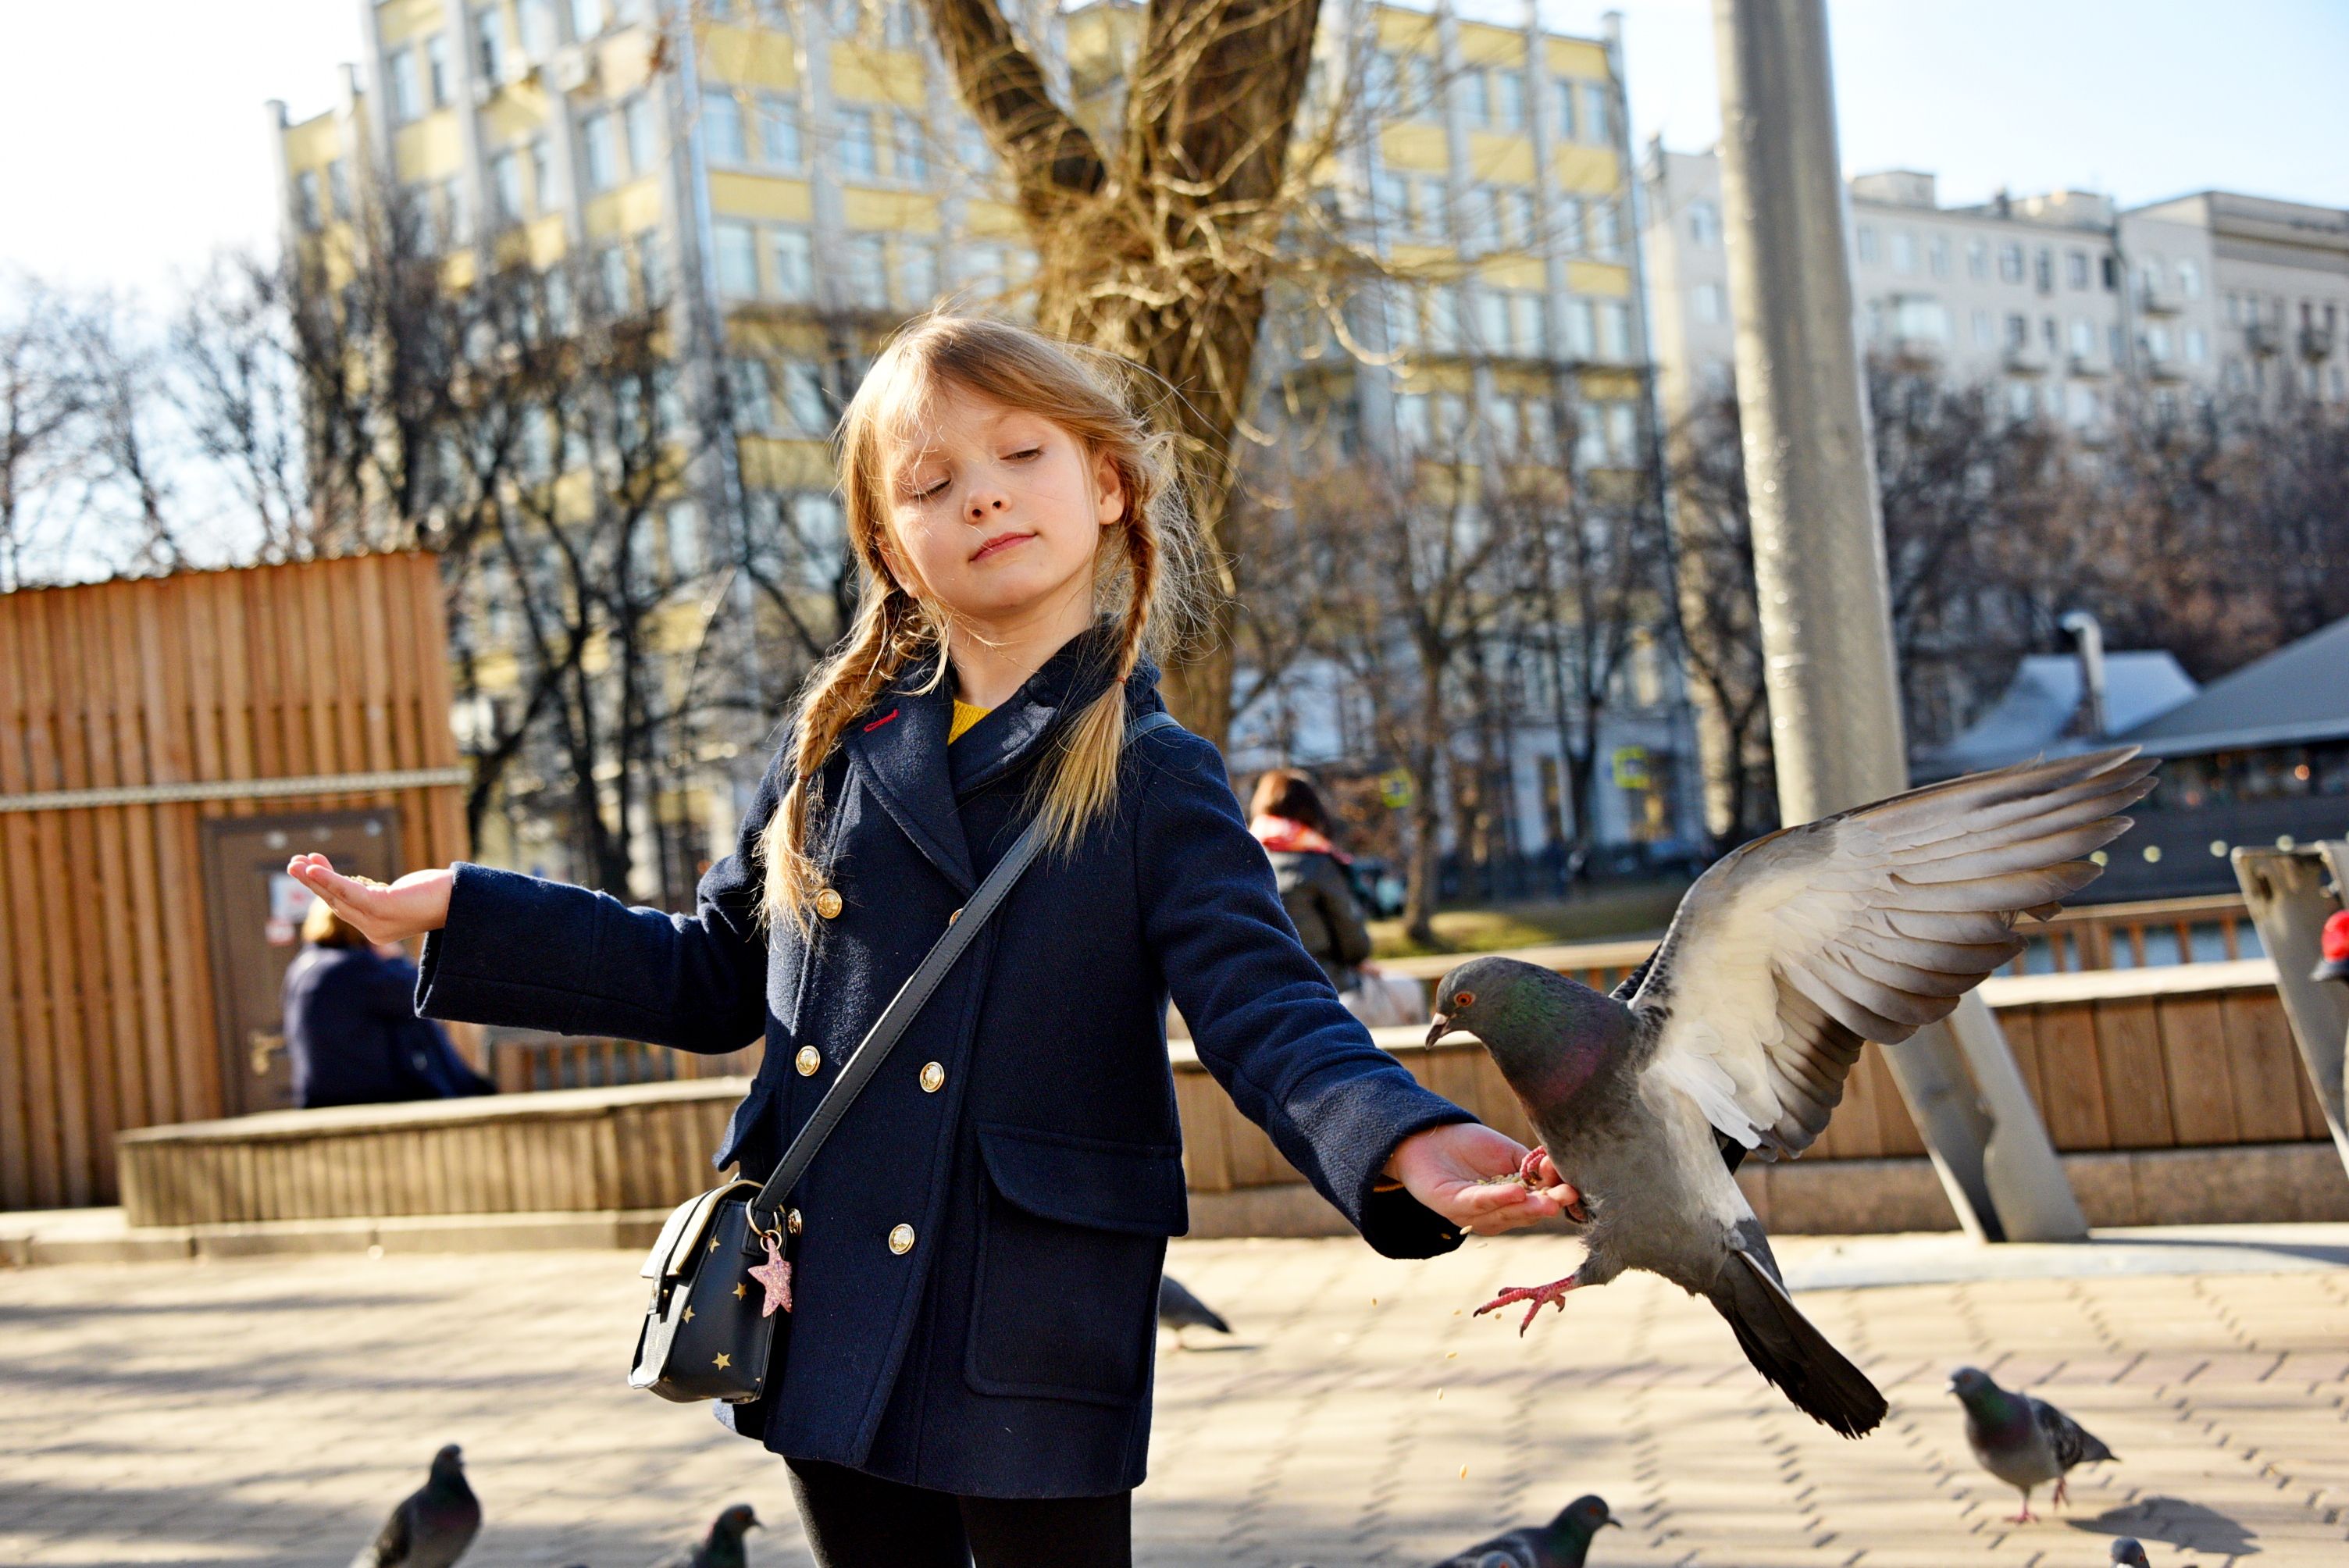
[984, 506]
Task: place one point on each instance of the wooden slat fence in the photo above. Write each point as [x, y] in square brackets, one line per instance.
[107, 1006]
[524, 1064]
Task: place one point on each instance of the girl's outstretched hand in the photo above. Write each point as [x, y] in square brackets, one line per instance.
[415, 903]
[1467, 1172]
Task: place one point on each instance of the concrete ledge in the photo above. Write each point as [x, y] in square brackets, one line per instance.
[102, 1236]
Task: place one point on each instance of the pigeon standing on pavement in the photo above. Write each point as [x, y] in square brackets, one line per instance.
[1563, 1543]
[722, 1547]
[1783, 958]
[1178, 1309]
[2024, 1441]
[2128, 1553]
[432, 1525]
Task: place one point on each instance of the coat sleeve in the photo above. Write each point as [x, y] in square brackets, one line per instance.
[1262, 1015]
[530, 953]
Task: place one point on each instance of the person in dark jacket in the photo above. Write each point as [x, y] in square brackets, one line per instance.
[1287, 817]
[968, 1366]
[351, 1029]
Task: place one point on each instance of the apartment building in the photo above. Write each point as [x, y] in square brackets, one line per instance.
[794, 179]
[2056, 300]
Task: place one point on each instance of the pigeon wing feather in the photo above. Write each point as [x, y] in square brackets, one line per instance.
[2072, 1443]
[1865, 926]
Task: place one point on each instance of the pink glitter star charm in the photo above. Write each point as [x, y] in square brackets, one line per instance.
[775, 1274]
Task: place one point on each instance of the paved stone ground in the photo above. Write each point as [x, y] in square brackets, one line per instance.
[266, 1412]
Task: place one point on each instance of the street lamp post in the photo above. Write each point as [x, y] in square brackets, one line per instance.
[1819, 555]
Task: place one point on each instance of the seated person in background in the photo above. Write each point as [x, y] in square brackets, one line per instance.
[1287, 818]
[351, 1028]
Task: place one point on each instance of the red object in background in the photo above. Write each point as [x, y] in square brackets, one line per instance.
[2334, 945]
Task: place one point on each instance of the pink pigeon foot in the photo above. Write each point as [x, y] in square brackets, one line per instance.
[1529, 1172]
[1541, 1295]
[2026, 1516]
[2063, 1489]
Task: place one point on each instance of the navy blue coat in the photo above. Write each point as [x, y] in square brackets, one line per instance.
[353, 1038]
[1007, 1353]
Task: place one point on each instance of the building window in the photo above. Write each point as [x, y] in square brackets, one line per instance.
[2043, 269]
[1581, 331]
[1938, 258]
[722, 128]
[1484, 226]
[779, 131]
[1711, 304]
[599, 147]
[1390, 199]
[407, 97]
[2189, 280]
[794, 256]
[1597, 118]
[652, 268]
[2021, 400]
[1985, 332]
[682, 520]
[1514, 206]
[338, 187]
[735, 249]
[1476, 96]
[2084, 337]
[636, 114]
[1622, 432]
[2076, 268]
[505, 187]
[1978, 260]
[858, 159]
[1903, 249]
[1492, 321]
[1562, 98]
[541, 173]
[456, 220]
[1866, 241]
[1509, 99]
[436, 69]
[536, 19]
[1703, 224]
[2150, 274]
[489, 45]
[612, 278]
[307, 211]
[2010, 262]
[868, 270]
[1428, 210]
[916, 275]
[2156, 343]
[804, 398]
[1922, 320]
[1605, 230]
[2198, 345]
[1444, 318]
[909, 153]
[2018, 332]
[1570, 236]
[1615, 332]
[586, 19]
[2116, 343]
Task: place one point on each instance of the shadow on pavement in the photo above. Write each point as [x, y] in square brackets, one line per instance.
[2175, 1522]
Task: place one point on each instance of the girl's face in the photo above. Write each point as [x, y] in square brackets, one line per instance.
[995, 513]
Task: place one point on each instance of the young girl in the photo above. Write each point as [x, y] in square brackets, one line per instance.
[968, 1361]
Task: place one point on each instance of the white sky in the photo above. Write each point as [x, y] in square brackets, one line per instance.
[137, 143]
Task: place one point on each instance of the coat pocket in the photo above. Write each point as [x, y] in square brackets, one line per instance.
[1073, 1237]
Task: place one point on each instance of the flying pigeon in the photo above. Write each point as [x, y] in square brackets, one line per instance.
[1563, 1543]
[1178, 1309]
[1739, 1031]
[2128, 1553]
[722, 1547]
[2024, 1441]
[432, 1525]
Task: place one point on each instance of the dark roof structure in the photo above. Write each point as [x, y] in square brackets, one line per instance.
[2296, 695]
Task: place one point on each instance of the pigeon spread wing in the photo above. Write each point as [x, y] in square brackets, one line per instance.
[1865, 926]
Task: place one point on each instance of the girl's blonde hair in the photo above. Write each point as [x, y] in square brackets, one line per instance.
[1145, 578]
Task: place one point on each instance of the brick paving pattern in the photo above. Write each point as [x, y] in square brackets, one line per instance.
[268, 1412]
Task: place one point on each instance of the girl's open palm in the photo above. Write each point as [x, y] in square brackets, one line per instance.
[415, 903]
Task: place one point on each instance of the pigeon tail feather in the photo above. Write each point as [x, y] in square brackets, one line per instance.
[1787, 1349]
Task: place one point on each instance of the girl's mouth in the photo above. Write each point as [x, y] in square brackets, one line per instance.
[999, 544]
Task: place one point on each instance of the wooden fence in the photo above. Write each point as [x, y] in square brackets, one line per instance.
[131, 713]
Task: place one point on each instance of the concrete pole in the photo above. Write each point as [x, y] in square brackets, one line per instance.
[1818, 549]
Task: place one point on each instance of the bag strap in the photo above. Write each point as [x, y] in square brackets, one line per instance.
[866, 1061]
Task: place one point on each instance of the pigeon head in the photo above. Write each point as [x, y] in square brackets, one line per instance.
[1547, 1034]
[731, 1523]
[2128, 1553]
[449, 1464]
[1981, 1395]
[1582, 1520]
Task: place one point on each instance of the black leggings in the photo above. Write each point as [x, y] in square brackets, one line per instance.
[857, 1520]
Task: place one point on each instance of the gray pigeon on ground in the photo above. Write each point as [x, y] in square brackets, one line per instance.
[722, 1547]
[1740, 1029]
[1178, 1309]
[1563, 1543]
[2026, 1442]
[432, 1525]
[2128, 1553]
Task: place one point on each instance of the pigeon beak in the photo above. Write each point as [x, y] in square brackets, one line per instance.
[1438, 1027]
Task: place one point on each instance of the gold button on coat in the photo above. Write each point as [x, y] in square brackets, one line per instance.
[933, 1077]
[901, 1240]
[807, 1061]
[791, 1221]
[827, 903]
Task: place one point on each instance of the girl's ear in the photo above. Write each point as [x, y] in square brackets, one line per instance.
[1109, 491]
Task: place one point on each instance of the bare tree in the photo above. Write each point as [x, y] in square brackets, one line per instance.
[42, 395]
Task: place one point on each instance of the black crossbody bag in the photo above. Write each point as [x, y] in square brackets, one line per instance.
[721, 1267]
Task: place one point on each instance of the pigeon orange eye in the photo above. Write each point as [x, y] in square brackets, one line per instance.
[1462, 998]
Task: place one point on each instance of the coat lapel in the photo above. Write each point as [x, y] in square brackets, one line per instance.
[1009, 737]
[900, 747]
